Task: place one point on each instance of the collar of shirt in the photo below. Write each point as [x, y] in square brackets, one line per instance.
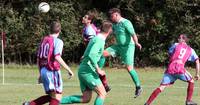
[101, 36]
[54, 35]
[120, 20]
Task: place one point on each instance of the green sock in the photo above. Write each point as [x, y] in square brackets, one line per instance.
[102, 62]
[135, 77]
[71, 99]
[99, 101]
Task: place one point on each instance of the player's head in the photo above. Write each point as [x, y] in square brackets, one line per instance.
[106, 27]
[183, 38]
[55, 27]
[114, 14]
[88, 18]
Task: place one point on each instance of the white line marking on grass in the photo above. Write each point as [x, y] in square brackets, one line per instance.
[77, 85]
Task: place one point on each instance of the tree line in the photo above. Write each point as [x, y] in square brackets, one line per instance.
[157, 24]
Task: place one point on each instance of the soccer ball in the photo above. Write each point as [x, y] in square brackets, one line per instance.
[43, 7]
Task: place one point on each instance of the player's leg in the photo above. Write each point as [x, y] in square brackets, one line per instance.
[187, 77]
[46, 83]
[39, 101]
[57, 88]
[127, 55]
[103, 77]
[85, 98]
[93, 82]
[101, 95]
[87, 93]
[166, 81]
[110, 51]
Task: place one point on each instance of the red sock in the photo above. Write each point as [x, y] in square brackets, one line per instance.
[54, 102]
[41, 100]
[190, 90]
[104, 80]
[153, 95]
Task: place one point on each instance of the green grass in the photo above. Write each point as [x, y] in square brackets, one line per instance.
[21, 85]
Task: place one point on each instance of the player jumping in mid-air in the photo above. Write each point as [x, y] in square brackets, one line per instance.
[179, 54]
[49, 60]
[126, 39]
[90, 31]
[89, 70]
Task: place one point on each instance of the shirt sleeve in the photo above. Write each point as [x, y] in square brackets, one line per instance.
[129, 27]
[90, 31]
[58, 46]
[171, 49]
[93, 54]
[193, 56]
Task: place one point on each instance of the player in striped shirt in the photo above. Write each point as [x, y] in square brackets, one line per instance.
[179, 54]
[49, 60]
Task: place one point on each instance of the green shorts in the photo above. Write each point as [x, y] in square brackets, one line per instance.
[88, 80]
[125, 52]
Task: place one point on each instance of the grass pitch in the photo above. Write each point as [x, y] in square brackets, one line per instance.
[21, 85]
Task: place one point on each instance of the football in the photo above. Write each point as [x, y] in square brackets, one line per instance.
[43, 7]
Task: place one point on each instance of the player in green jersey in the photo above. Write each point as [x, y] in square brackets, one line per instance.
[89, 70]
[126, 39]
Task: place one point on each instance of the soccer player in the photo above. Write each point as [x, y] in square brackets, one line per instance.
[89, 70]
[90, 31]
[179, 54]
[49, 60]
[126, 39]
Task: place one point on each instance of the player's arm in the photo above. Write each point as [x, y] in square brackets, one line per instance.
[129, 27]
[195, 59]
[62, 62]
[135, 39]
[197, 69]
[93, 56]
[57, 53]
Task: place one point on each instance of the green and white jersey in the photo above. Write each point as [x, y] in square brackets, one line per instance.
[93, 53]
[123, 31]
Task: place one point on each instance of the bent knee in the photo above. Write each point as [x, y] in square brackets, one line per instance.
[103, 94]
[191, 81]
[106, 53]
[86, 99]
[162, 88]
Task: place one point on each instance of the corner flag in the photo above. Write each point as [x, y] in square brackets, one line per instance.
[3, 44]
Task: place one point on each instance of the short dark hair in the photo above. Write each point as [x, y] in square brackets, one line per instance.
[184, 36]
[114, 10]
[106, 25]
[55, 27]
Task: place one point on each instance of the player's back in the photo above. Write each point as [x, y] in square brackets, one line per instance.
[178, 58]
[45, 54]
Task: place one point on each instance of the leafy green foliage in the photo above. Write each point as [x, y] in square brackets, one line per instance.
[157, 23]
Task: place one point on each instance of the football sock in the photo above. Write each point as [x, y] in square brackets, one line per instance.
[54, 101]
[190, 91]
[103, 80]
[71, 99]
[153, 96]
[41, 100]
[135, 77]
[99, 101]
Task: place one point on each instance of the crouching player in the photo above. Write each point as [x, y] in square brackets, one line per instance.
[179, 53]
[49, 60]
[89, 70]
